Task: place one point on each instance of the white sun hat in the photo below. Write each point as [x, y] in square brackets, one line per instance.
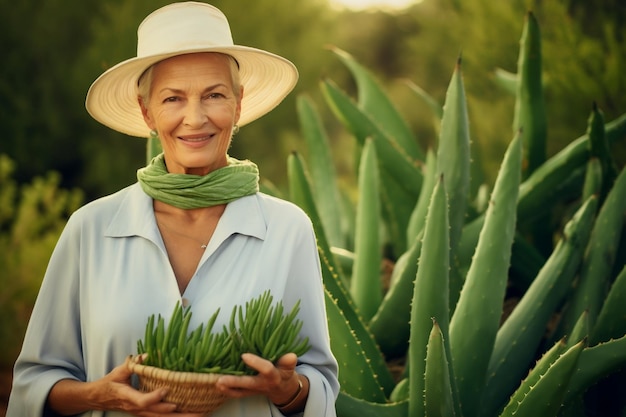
[183, 28]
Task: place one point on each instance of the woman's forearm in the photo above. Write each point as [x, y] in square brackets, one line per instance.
[69, 397]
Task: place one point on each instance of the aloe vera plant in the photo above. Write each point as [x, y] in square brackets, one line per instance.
[524, 328]
[459, 251]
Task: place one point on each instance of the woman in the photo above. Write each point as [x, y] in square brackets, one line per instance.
[194, 229]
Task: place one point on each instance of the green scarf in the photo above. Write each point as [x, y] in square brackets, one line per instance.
[236, 180]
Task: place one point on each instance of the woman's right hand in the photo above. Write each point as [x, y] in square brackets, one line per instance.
[113, 392]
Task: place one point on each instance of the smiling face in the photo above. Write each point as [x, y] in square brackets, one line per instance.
[193, 105]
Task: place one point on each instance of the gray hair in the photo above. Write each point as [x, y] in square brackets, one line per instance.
[145, 80]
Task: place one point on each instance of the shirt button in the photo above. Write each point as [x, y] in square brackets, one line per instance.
[185, 302]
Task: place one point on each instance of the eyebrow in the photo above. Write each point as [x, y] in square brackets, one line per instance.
[206, 90]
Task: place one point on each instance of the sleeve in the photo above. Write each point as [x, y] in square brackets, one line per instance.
[318, 364]
[52, 345]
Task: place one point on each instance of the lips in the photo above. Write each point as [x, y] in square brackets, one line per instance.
[196, 138]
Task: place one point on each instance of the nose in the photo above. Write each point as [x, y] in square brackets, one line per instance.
[195, 115]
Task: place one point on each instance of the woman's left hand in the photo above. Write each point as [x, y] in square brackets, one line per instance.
[277, 382]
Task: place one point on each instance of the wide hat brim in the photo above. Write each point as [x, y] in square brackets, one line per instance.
[267, 78]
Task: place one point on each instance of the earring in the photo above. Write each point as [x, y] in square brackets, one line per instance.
[235, 129]
[154, 134]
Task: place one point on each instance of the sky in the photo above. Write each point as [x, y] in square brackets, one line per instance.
[363, 4]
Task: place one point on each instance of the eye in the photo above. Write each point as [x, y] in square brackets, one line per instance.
[214, 96]
[171, 99]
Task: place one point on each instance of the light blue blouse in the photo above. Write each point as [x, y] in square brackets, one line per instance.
[110, 271]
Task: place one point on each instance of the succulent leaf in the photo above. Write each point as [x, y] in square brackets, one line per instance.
[476, 319]
[366, 284]
[438, 397]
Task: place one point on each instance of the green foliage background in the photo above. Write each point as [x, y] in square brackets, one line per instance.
[53, 50]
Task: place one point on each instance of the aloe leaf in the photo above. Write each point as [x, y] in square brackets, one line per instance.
[559, 179]
[548, 184]
[430, 295]
[268, 187]
[393, 158]
[301, 194]
[530, 118]
[401, 391]
[348, 209]
[611, 322]
[534, 375]
[418, 215]
[349, 406]
[400, 165]
[598, 263]
[366, 283]
[520, 335]
[564, 189]
[322, 170]
[357, 328]
[345, 259]
[453, 162]
[476, 319]
[396, 211]
[481, 199]
[433, 104]
[580, 330]
[467, 244]
[401, 177]
[599, 148]
[453, 152]
[593, 178]
[375, 102]
[595, 363]
[544, 398]
[391, 325]
[526, 262]
[153, 148]
[507, 80]
[530, 112]
[438, 397]
[356, 375]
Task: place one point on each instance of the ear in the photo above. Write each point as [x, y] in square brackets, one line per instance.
[144, 113]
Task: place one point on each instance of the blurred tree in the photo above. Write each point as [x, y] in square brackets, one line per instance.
[40, 43]
[32, 216]
[594, 16]
[585, 59]
[110, 159]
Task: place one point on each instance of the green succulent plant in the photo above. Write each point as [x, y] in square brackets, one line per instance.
[457, 255]
[260, 327]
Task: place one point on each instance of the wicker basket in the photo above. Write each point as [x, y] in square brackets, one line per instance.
[192, 392]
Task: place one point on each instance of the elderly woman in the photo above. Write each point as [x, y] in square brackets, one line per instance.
[194, 229]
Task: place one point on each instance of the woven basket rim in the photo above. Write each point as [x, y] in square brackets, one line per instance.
[171, 376]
